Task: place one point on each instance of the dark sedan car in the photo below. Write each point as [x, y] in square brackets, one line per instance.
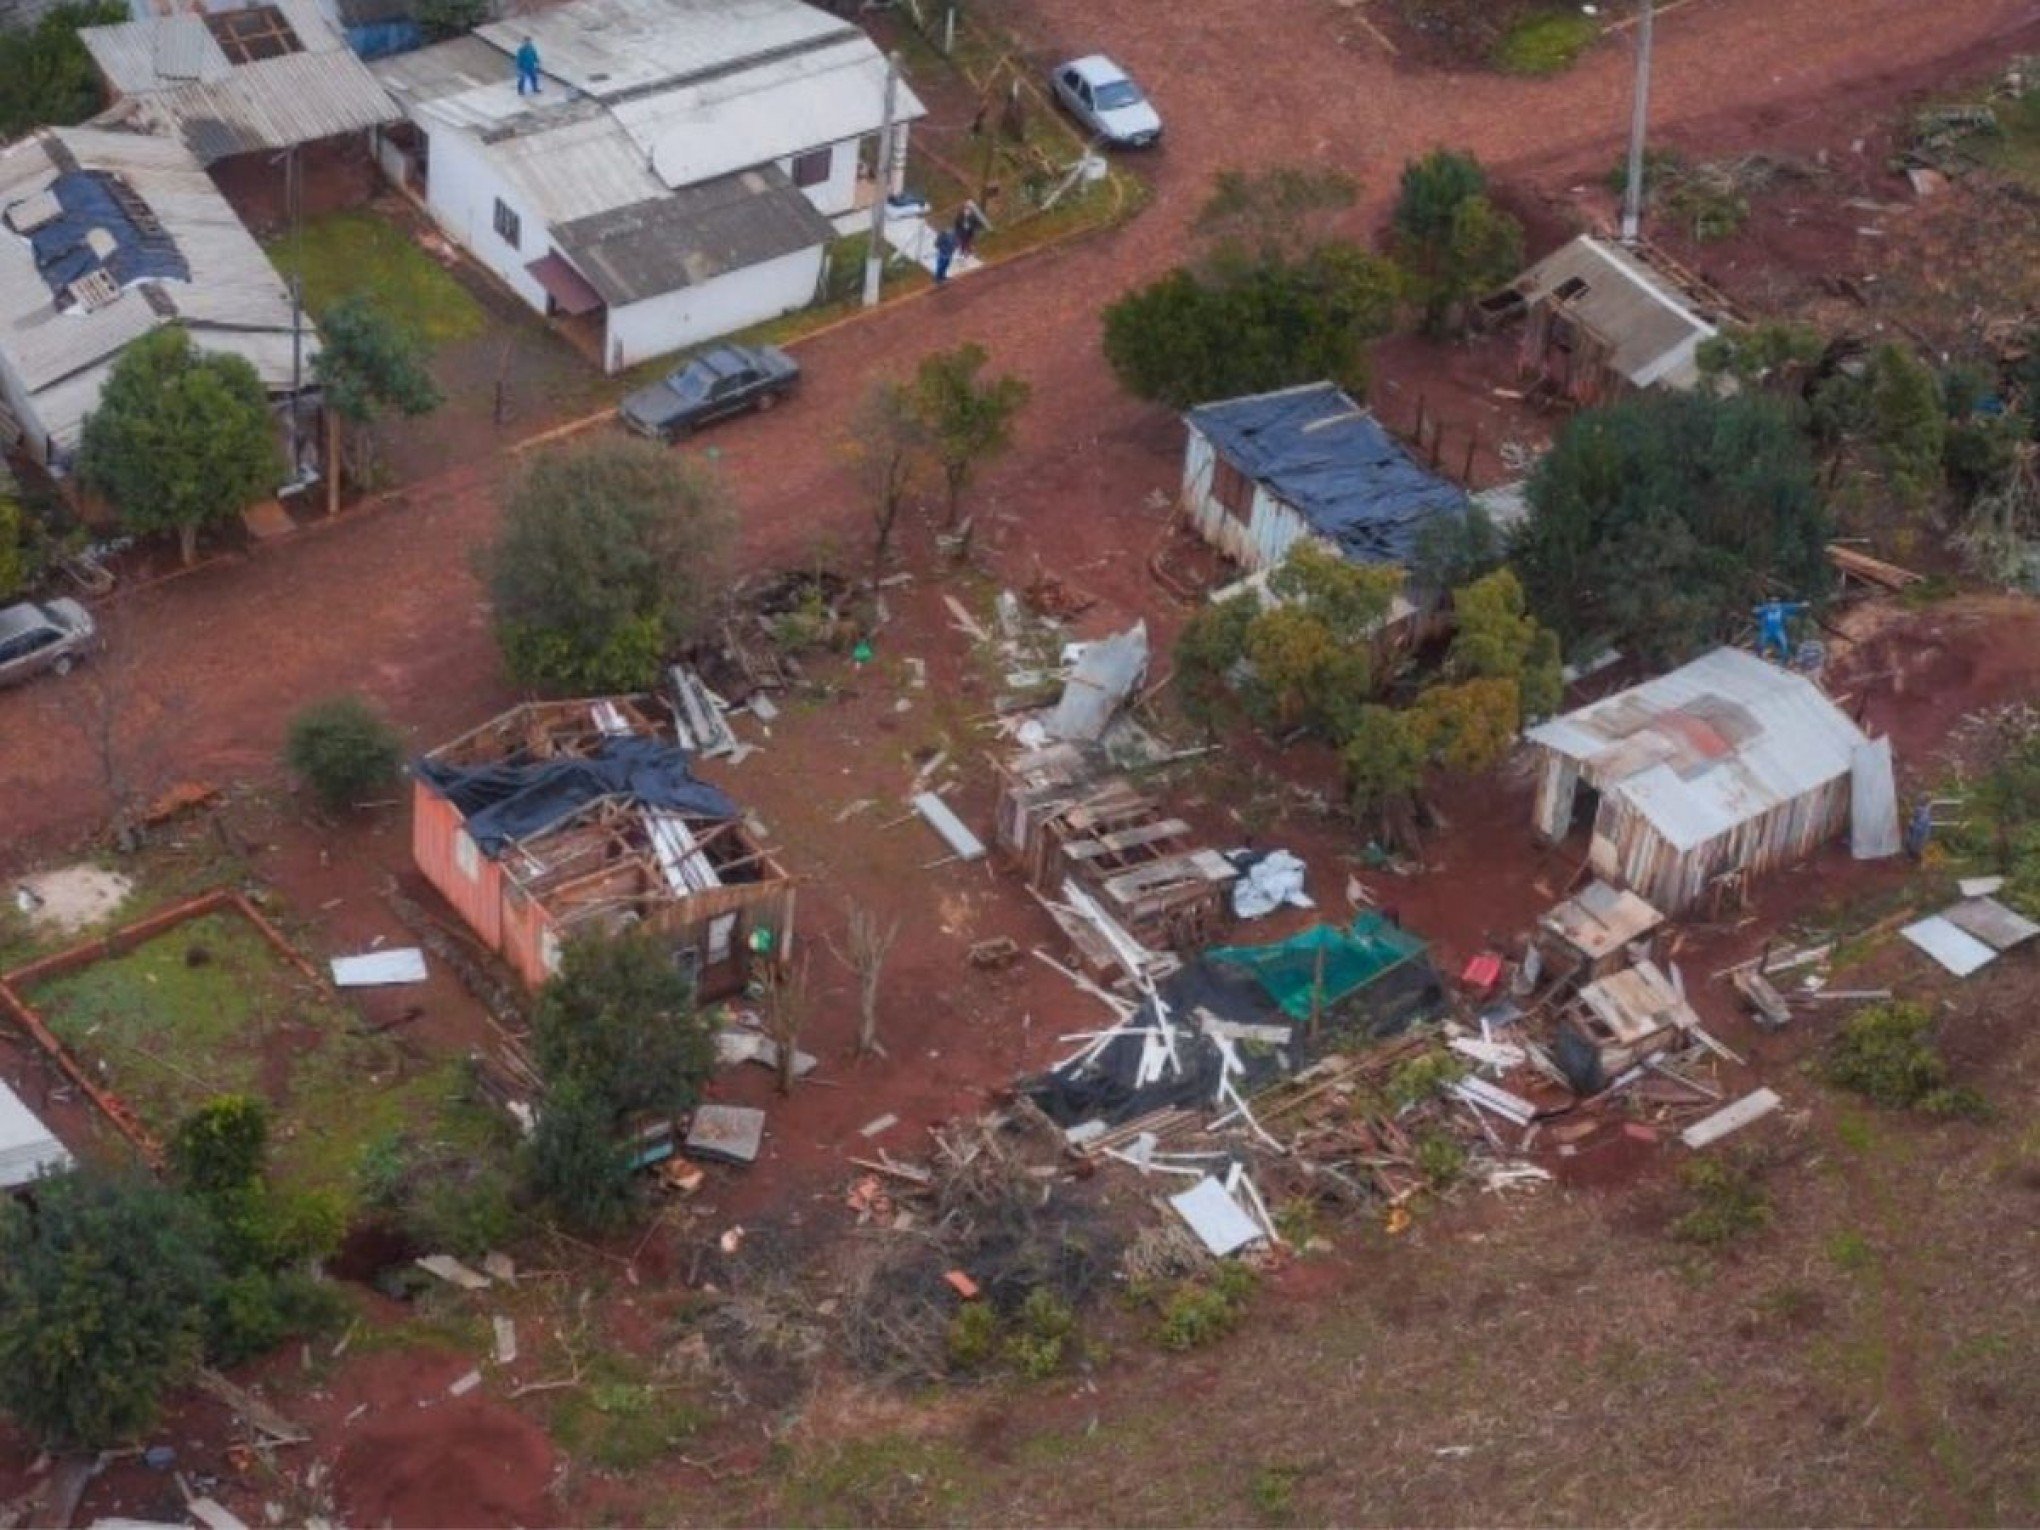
[725, 379]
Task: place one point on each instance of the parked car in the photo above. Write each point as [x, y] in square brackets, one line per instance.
[723, 380]
[1102, 96]
[35, 637]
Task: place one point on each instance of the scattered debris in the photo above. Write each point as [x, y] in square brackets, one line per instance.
[1216, 1218]
[1731, 1118]
[453, 1272]
[465, 1384]
[936, 813]
[726, 1133]
[963, 1285]
[1268, 881]
[506, 1339]
[883, 1123]
[379, 968]
[1970, 934]
[697, 716]
[499, 1266]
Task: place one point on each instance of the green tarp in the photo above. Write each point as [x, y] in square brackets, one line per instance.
[1324, 964]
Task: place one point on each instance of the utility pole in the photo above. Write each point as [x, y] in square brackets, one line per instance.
[881, 174]
[291, 196]
[1639, 119]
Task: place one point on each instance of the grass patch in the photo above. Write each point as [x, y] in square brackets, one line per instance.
[350, 252]
[888, 1479]
[1886, 1054]
[621, 1422]
[1726, 1202]
[207, 1009]
[1545, 44]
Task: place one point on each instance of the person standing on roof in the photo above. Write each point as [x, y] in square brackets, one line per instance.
[527, 67]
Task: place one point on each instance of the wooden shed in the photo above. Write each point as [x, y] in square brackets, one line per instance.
[1699, 779]
[1601, 319]
[558, 819]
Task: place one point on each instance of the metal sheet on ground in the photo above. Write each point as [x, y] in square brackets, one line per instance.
[1216, 1217]
[729, 1133]
[1954, 948]
[1991, 922]
[378, 968]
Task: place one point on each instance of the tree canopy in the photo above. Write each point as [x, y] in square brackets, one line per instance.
[968, 417]
[181, 438]
[368, 363]
[103, 1292]
[1249, 328]
[1658, 522]
[1451, 241]
[47, 79]
[610, 555]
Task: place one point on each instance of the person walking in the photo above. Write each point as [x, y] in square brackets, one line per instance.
[945, 252]
[970, 222]
[527, 68]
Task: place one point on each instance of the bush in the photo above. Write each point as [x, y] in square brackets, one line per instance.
[450, 18]
[1046, 1325]
[1543, 45]
[104, 1287]
[342, 751]
[1423, 1077]
[1728, 1201]
[251, 1313]
[575, 1164]
[1886, 1054]
[221, 1145]
[1441, 1159]
[972, 1338]
[438, 1195]
[1196, 1313]
[619, 1021]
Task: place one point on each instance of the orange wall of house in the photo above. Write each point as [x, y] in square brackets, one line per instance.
[475, 888]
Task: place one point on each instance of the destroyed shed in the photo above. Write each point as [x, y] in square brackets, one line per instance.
[566, 818]
[1263, 472]
[1699, 779]
[1602, 319]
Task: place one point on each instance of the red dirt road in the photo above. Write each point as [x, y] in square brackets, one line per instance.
[385, 602]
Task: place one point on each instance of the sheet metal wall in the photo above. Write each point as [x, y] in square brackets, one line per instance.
[1261, 542]
[436, 840]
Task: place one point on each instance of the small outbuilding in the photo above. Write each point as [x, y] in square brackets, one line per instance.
[1262, 472]
[1601, 319]
[1699, 779]
[560, 819]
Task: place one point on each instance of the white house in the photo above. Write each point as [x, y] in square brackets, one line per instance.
[678, 175]
[1260, 472]
[103, 238]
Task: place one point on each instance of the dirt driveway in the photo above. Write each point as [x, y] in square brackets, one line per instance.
[385, 602]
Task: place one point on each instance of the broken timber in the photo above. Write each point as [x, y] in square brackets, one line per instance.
[1730, 1118]
[937, 815]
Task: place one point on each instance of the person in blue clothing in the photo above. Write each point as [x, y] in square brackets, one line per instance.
[945, 252]
[1772, 616]
[527, 67]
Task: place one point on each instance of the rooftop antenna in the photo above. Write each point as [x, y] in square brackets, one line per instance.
[1639, 118]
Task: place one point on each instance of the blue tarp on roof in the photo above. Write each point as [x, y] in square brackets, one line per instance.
[1315, 449]
[100, 201]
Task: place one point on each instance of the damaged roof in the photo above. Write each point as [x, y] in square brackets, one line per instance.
[686, 237]
[1710, 746]
[1317, 451]
[1651, 326]
[264, 77]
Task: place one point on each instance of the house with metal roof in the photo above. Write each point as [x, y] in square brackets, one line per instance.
[1261, 473]
[678, 173]
[104, 237]
[1702, 778]
[248, 79]
[1601, 318]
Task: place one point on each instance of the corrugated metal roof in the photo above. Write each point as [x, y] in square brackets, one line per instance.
[219, 107]
[1320, 453]
[685, 237]
[610, 47]
[1651, 327]
[234, 301]
[645, 95]
[1721, 741]
[28, 1149]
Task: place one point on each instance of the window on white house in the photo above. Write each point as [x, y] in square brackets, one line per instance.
[508, 225]
[814, 167]
[1232, 488]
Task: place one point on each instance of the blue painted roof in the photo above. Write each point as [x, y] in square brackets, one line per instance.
[1315, 449]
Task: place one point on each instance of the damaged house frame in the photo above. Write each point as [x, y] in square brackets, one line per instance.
[568, 818]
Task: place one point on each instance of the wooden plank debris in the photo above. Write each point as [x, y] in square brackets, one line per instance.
[1509, 1106]
[453, 1272]
[696, 717]
[936, 813]
[1731, 1118]
[1856, 565]
[252, 1410]
[506, 1339]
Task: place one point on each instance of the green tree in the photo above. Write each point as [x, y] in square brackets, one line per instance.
[181, 438]
[1186, 338]
[1450, 239]
[1907, 422]
[1470, 726]
[576, 1163]
[13, 539]
[47, 79]
[1384, 761]
[221, 1145]
[103, 1291]
[1457, 549]
[1350, 599]
[969, 418]
[620, 1021]
[369, 364]
[889, 450]
[610, 555]
[343, 751]
[1656, 523]
[1209, 652]
[1496, 638]
[450, 18]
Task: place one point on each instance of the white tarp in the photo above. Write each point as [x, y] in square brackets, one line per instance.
[1275, 879]
[1873, 802]
[1216, 1217]
[377, 968]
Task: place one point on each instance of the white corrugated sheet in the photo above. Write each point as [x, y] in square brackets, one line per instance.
[607, 47]
[1956, 949]
[1873, 803]
[235, 301]
[1718, 743]
[28, 1149]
